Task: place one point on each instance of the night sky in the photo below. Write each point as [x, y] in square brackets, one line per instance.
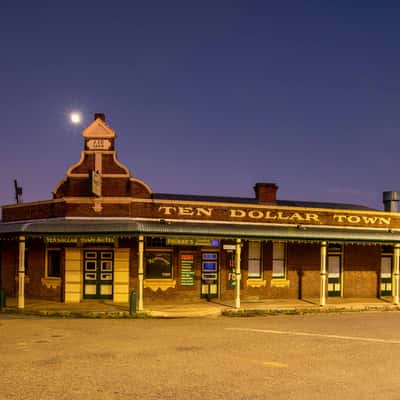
[207, 97]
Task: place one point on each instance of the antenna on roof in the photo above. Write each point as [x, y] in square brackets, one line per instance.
[18, 192]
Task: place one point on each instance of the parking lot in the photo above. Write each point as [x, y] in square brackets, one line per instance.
[325, 356]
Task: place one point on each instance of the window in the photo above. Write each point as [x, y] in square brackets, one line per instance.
[387, 249]
[334, 248]
[254, 260]
[54, 263]
[158, 265]
[278, 260]
[156, 242]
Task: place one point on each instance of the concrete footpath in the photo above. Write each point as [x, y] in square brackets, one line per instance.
[202, 308]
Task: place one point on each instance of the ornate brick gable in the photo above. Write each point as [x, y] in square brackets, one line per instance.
[98, 173]
[97, 185]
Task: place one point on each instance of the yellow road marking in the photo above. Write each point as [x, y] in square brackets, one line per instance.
[323, 336]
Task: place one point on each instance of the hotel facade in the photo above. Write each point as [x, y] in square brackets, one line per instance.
[106, 233]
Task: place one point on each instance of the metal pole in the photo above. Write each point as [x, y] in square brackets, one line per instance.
[21, 273]
[396, 262]
[322, 299]
[237, 273]
[140, 272]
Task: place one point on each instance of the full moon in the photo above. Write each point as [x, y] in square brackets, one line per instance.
[75, 117]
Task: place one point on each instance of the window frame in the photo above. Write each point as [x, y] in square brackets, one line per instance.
[259, 258]
[48, 250]
[283, 259]
[389, 257]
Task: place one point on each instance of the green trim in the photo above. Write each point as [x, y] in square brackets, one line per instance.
[388, 284]
[85, 228]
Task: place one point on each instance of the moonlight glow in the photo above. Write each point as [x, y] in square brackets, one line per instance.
[75, 117]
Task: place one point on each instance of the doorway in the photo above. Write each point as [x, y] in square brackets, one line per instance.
[209, 275]
[386, 276]
[98, 274]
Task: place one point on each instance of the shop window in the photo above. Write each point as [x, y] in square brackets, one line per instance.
[254, 260]
[387, 249]
[278, 260]
[158, 265]
[54, 263]
[334, 248]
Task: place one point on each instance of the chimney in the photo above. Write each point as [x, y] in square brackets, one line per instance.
[101, 116]
[266, 192]
[391, 201]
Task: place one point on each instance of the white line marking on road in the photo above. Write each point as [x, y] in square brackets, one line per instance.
[320, 335]
[274, 364]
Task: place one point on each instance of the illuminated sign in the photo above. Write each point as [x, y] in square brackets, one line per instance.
[187, 269]
[192, 242]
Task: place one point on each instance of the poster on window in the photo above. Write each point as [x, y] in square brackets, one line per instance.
[187, 269]
[158, 265]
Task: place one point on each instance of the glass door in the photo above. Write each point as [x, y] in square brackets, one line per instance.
[334, 275]
[386, 276]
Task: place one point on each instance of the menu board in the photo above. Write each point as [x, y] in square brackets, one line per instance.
[187, 269]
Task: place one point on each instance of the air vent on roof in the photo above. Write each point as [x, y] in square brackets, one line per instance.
[391, 201]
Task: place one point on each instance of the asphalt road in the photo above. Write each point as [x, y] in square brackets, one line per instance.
[332, 356]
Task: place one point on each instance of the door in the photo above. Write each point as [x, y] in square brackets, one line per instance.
[386, 276]
[231, 265]
[98, 274]
[334, 275]
[209, 275]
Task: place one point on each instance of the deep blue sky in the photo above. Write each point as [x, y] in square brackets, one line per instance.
[207, 97]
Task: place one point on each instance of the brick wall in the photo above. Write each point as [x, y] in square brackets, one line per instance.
[85, 166]
[9, 266]
[361, 265]
[109, 166]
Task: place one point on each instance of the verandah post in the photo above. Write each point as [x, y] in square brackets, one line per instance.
[322, 298]
[21, 273]
[237, 272]
[140, 273]
[396, 262]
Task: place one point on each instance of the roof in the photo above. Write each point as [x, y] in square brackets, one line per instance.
[130, 227]
[250, 200]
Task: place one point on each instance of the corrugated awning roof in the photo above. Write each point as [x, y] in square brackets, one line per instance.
[129, 227]
[251, 200]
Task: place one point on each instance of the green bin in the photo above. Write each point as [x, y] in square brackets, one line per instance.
[2, 298]
[132, 303]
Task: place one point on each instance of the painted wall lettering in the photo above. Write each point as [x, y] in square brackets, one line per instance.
[361, 219]
[98, 144]
[276, 216]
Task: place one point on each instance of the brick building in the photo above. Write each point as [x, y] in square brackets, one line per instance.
[105, 233]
